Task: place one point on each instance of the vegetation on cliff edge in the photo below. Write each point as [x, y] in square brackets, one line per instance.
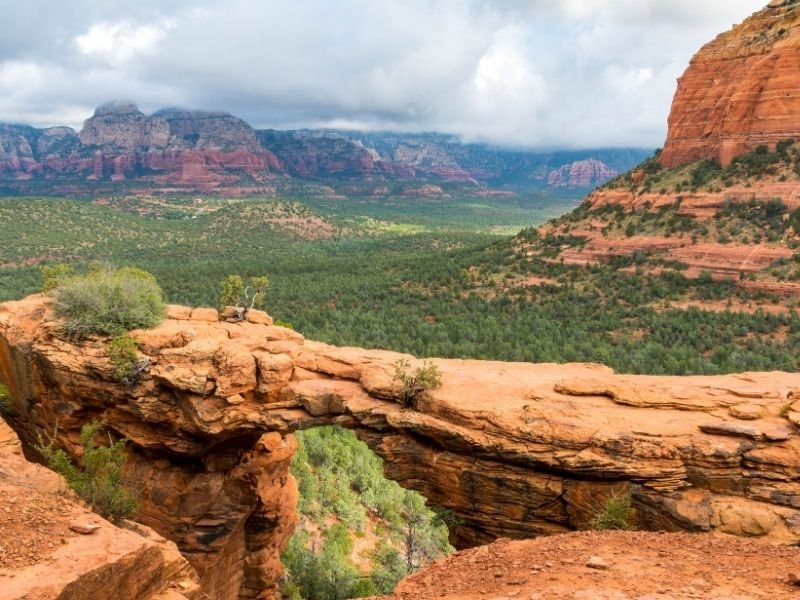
[98, 480]
[106, 301]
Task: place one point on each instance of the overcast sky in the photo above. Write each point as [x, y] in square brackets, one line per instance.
[557, 73]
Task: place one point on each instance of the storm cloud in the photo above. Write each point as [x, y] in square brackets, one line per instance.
[536, 73]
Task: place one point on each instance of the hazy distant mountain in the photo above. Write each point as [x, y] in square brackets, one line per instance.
[120, 147]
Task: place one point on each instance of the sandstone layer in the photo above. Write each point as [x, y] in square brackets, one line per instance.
[748, 261]
[740, 91]
[43, 558]
[581, 174]
[515, 450]
[195, 149]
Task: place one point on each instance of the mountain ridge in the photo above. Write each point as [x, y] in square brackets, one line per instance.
[176, 149]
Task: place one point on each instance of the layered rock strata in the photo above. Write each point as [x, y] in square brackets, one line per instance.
[44, 557]
[740, 90]
[513, 449]
[195, 149]
[581, 174]
[121, 148]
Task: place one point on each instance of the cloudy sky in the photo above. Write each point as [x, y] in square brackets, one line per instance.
[540, 73]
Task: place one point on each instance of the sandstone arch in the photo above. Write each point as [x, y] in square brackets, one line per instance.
[515, 450]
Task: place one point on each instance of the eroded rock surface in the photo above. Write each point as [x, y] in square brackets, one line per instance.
[53, 547]
[514, 449]
[740, 90]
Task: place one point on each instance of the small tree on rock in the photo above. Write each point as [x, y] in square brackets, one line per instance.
[123, 353]
[234, 291]
[415, 383]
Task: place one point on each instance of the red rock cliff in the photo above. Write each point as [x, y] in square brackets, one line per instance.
[54, 548]
[740, 90]
[515, 450]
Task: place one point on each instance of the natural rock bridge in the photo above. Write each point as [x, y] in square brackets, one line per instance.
[515, 450]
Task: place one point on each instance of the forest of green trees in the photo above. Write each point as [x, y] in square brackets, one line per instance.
[424, 285]
[439, 293]
[344, 496]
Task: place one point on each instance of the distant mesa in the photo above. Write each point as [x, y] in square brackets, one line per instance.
[120, 107]
[175, 149]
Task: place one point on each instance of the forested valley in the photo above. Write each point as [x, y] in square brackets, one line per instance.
[432, 278]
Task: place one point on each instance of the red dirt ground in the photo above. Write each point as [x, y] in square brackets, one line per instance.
[640, 566]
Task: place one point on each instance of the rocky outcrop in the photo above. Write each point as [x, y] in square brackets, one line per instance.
[191, 149]
[697, 249]
[53, 547]
[740, 90]
[581, 174]
[515, 450]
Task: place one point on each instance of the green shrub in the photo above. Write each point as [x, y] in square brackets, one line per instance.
[55, 275]
[109, 302]
[416, 383]
[123, 352]
[704, 172]
[617, 513]
[100, 482]
[5, 399]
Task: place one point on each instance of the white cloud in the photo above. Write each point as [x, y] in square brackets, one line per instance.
[628, 79]
[116, 43]
[16, 75]
[570, 73]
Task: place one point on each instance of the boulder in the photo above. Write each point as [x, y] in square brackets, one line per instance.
[205, 314]
[258, 316]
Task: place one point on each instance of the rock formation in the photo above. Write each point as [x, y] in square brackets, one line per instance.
[120, 148]
[740, 90]
[515, 450]
[739, 98]
[46, 552]
[581, 174]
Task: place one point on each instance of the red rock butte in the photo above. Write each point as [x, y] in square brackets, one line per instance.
[740, 91]
[513, 449]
